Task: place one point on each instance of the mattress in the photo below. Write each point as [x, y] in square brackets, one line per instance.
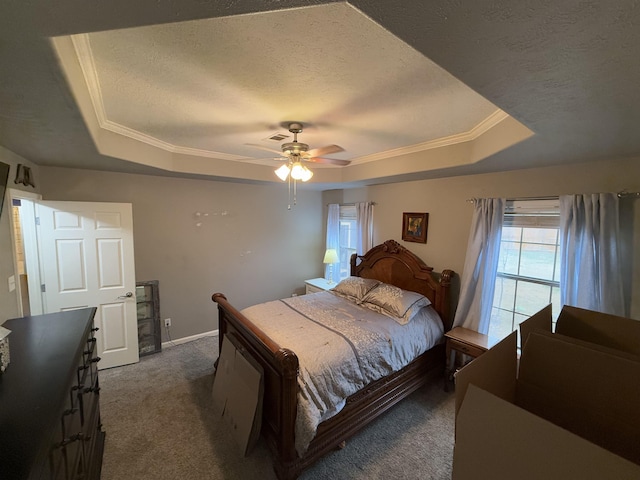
[341, 347]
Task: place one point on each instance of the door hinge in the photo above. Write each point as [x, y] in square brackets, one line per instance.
[43, 288]
[37, 220]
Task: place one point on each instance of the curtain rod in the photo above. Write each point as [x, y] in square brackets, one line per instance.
[625, 194]
[520, 199]
[622, 194]
[350, 204]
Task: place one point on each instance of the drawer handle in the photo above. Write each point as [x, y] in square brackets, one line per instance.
[92, 389]
[71, 439]
[77, 387]
[95, 329]
[91, 340]
[95, 360]
[70, 411]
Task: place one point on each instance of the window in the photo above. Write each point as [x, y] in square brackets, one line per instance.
[348, 238]
[528, 276]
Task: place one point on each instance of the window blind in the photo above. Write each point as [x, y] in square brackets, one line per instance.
[532, 213]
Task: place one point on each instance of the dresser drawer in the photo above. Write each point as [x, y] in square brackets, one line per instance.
[312, 289]
[465, 348]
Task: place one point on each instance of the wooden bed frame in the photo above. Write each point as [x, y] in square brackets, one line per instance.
[389, 262]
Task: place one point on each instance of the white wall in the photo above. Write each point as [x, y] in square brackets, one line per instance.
[450, 214]
[260, 251]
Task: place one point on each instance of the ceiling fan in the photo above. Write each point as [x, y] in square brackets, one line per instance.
[296, 153]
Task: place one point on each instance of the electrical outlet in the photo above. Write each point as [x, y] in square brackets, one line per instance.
[167, 322]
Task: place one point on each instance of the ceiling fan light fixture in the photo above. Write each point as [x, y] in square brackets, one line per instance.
[296, 155]
[283, 172]
[298, 171]
[306, 174]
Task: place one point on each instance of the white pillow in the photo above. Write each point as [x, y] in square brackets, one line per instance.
[354, 288]
[399, 304]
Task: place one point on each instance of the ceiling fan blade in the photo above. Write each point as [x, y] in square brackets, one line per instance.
[249, 159]
[328, 150]
[279, 152]
[329, 161]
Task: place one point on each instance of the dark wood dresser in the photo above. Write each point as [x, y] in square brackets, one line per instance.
[49, 399]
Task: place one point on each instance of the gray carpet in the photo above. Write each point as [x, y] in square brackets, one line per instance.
[160, 425]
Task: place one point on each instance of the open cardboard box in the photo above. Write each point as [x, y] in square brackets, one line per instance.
[606, 330]
[568, 410]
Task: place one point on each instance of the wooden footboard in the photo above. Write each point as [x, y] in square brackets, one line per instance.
[280, 378]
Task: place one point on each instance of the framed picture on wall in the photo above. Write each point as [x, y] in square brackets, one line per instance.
[414, 227]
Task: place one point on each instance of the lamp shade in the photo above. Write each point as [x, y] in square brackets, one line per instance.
[306, 175]
[297, 171]
[331, 256]
[283, 172]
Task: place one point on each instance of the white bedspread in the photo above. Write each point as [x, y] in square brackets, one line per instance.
[341, 348]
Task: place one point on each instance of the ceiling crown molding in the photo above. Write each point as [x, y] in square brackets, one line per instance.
[484, 126]
[82, 46]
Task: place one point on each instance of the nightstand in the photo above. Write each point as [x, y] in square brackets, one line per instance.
[318, 285]
[465, 341]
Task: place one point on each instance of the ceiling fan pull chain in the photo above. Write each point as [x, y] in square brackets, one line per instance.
[289, 199]
[295, 191]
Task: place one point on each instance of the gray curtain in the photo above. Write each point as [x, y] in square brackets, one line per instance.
[364, 219]
[480, 266]
[590, 262]
[333, 237]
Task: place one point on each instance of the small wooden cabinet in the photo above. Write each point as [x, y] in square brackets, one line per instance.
[464, 341]
[318, 285]
[149, 329]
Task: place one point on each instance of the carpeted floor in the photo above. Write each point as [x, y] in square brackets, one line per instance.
[160, 425]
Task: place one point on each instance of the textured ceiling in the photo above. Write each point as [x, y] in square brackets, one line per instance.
[216, 85]
[567, 70]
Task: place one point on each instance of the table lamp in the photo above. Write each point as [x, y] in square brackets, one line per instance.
[331, 257]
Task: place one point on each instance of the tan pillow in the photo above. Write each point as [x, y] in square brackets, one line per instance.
[354, 288]
[399, 304]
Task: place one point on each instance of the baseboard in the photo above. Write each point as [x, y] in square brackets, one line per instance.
[178, 341]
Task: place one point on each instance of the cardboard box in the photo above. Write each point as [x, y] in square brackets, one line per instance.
[237, 393]
[569, 410]
[607, 330]
[618, 333]
[498, 440]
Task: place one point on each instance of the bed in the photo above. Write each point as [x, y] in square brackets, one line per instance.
[389, 263]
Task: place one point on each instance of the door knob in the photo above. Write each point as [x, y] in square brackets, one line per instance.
[126, 295]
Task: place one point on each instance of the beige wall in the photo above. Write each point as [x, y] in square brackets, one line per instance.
[286, 246]
[9, 300]
[260, 251]
[450, 214]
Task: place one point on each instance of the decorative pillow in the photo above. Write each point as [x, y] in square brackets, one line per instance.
[354, 288]
[399, 304]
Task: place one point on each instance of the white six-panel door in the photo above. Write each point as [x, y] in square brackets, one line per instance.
[86, 257]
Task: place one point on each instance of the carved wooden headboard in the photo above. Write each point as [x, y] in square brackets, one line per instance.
[392, 263]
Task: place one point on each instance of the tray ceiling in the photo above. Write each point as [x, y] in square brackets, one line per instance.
[166, 105]
[208, 88]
